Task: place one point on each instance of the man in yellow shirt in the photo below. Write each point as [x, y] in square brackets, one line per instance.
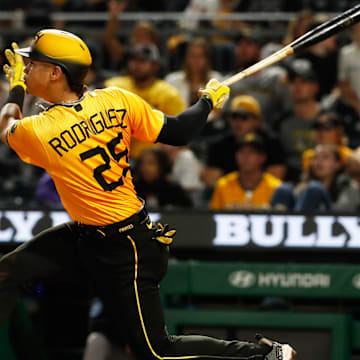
[250, 187]
[143, 67]
[82, 140]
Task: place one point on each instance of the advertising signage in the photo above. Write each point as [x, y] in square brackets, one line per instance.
[201, 230]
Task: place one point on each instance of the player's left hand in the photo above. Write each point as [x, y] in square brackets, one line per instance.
[15, 70]
[217, 92]
[164, 234]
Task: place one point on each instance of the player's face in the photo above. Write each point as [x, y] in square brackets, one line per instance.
[249, 159]
[141, 69]
[37, 77]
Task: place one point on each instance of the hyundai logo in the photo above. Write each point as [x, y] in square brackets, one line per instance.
[242, 279]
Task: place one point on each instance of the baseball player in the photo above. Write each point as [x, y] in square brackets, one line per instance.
[83, 141]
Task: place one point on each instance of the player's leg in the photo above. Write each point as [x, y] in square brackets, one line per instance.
[144, 313]
[48, 254]
[127, 270]
[147, 328]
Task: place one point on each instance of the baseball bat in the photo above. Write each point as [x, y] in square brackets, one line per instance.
[316, 35]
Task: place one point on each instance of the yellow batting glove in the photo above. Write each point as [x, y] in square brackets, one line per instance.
[217, 92]
[164, 234]
[15, 70]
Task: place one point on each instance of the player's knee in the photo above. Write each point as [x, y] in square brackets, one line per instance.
[151, 351]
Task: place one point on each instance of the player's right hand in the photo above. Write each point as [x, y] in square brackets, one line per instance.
[15, 70]
[217, 92]
[164, 234]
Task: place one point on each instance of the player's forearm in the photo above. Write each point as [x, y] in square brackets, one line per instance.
[9, 114]
[179, 130]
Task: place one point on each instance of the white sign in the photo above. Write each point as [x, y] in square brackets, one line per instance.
[19, 226]
[268, 231]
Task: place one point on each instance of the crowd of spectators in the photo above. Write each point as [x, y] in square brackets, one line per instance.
[287, 138]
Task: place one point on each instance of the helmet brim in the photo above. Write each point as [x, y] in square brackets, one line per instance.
[24, 51]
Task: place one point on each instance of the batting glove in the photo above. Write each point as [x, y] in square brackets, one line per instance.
[217, 92]
[164, 234]
[15, 70]
[277, 351]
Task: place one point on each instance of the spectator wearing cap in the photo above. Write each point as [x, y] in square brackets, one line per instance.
[329, 130]
[295, 128]
[249, 187]
[244, 117]
[143, 67]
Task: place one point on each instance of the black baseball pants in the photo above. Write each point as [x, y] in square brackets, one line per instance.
[125, 267]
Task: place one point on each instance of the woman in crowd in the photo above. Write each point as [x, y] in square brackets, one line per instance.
[196, 71]
[324, 181]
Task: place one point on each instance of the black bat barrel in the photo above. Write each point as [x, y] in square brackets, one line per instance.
[326, 30]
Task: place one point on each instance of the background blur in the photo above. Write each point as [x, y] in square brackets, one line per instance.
[265, 200]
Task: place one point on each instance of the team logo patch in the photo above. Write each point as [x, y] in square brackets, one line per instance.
[13, 128]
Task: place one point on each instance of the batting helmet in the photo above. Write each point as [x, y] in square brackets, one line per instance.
[63, 49]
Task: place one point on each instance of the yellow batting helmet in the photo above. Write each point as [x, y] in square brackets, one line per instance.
[63, 49]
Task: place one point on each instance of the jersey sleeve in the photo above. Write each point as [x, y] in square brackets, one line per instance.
[22, 138]
[146, 122]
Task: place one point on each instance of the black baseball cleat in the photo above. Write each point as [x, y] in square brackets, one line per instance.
[278, 351]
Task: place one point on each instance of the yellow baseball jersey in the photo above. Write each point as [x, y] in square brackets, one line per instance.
[344, 152]
[229, 194]
[85, 148]
[160, 95]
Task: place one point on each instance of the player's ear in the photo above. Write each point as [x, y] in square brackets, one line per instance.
[56, 72]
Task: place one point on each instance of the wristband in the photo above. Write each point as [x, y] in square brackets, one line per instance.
[207, 98]
[16, 96]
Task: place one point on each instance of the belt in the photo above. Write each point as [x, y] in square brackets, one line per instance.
[141, 217]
